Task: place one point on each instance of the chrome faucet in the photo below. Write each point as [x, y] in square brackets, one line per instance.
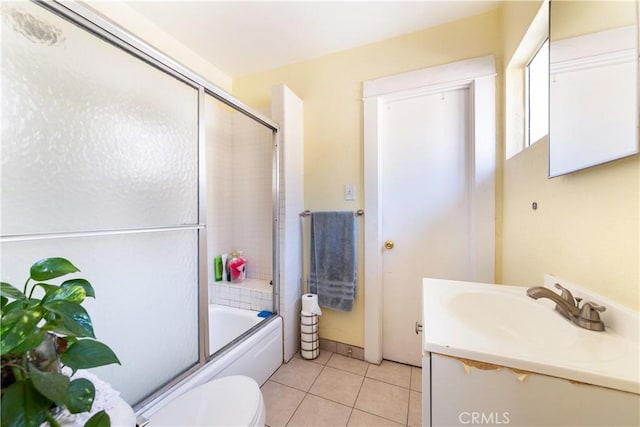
[587, 316]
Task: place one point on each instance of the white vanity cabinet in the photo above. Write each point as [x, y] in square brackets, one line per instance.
[460, 392]
[494, 356]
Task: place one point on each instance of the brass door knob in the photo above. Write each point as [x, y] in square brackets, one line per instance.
[389, 244]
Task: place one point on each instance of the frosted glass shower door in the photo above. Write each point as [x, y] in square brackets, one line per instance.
[102, 138]
[100, 165]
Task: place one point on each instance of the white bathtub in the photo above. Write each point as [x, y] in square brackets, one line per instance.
[257, 356]
[228, 323]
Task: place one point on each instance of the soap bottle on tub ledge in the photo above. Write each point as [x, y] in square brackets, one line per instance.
[237, 267]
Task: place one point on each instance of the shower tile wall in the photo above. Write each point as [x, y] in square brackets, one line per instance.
[239, 206]
[218, 133]
[252, 195]
[251, 295]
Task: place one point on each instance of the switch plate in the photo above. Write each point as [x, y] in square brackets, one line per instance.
[349, 191]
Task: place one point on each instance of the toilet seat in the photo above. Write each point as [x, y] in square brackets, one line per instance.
[230, 401]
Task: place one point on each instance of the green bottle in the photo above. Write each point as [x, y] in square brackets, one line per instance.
[217, 267]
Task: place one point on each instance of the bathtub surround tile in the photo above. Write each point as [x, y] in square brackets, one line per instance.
[416, 379]
[280, 402]
[329, 399]
[250, 294]
[338, 386]
[316, 411]
[415, 409]
[344, 363]
[297, 374]
[391, 372]
[385, 400]
[364, 419]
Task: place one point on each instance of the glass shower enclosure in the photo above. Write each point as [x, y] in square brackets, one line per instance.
[137, 171]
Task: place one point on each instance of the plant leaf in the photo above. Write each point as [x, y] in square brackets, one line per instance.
[85, 354]
[22, 405]
[20, 305]
[100, 419]
[81, 395]
[74, 318]
[17, 326]
[75, 294]
[6, 290]
[47, 287]
[81, 282]
[51, 385]
[51, 268]
[31, 342]
[3, 301]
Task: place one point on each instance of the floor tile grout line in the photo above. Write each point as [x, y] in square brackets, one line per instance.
[408, 406]
[315, 379]
[386, 382]
[350, 414]
[295, 410]
[357, 396]
[352, 407]
[380, 416]
[329, 399]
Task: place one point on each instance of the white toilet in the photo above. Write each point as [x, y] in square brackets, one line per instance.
[229, 401]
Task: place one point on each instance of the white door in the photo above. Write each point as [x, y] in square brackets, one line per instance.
[425, 161]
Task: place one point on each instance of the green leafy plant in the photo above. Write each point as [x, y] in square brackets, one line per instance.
[32, 385]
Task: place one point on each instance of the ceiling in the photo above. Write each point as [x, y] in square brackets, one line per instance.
[246, 37]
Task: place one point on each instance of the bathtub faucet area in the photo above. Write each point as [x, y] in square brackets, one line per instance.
[586, 317]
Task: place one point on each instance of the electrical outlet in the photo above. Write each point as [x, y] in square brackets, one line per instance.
[349, 191]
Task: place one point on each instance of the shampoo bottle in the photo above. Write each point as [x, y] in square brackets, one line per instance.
[217, 268]
[224, 258]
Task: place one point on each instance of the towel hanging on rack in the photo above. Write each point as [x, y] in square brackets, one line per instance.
[333, 259]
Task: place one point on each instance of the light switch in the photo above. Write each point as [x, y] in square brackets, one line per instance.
[349, 191]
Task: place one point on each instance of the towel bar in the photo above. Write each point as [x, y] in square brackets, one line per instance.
[359, 212]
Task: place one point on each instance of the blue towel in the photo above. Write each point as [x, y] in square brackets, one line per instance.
[332, 270]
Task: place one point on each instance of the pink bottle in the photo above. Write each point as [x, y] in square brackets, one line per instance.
[237, 267]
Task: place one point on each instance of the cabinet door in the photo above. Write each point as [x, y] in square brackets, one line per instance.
[464, 393]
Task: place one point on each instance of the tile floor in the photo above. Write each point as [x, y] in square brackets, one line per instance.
[334, 390]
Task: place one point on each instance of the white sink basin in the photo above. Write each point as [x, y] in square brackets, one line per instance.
[500, 324]
[505, 316]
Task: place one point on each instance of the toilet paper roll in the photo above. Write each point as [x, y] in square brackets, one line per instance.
[308, 319]
[310, 304]
[308, 345]
[309, 329]
[310, 354]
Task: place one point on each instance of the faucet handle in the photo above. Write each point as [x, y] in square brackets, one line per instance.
[566, 294]
[589, 316]
[590, 310]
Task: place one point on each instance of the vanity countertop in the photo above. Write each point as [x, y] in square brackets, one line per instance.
[500, 324]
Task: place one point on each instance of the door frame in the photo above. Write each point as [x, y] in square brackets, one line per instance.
[478, 75]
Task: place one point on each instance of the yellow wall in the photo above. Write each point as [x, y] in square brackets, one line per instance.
[586, 228]
[129, 19]
[517, 17]
[575, 18]
[331, 88]
[587, 225]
